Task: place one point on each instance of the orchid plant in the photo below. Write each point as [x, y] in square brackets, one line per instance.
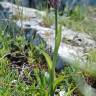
[52, 63]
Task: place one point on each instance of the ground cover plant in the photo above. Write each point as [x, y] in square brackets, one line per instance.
[79, 23]
[28, 69]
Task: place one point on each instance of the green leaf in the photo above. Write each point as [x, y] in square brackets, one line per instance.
[57, 44]
[48, 59]
[58, 37]
[70, 90]
[58, 81]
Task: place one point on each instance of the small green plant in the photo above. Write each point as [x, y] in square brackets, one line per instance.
[53, 82]
[91, 63]
[47, 20]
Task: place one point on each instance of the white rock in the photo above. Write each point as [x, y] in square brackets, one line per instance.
[62, 93]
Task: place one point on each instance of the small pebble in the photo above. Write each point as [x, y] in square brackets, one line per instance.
[62, 93]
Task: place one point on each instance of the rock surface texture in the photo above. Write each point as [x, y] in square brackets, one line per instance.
[74, 44]
[73, 47]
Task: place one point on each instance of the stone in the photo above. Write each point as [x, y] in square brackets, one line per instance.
[67, 53]
[28, 33]
[60, 64]
[13, 82]
[5, 12]
[62, 93]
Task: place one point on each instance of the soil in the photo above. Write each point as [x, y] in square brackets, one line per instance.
[91, 80]
[19, 61]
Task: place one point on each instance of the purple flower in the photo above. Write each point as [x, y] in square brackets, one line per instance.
[54, 3]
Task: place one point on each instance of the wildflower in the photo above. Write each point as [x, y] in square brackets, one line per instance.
[54, 3]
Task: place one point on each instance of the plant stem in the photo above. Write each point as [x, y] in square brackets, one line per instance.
[52, 73]
[56, 30]
[52, 82]
[56, 21]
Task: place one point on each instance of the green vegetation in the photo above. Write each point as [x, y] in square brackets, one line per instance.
[12, 84]
[35, 74]
[83, 22]
[86, 25]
